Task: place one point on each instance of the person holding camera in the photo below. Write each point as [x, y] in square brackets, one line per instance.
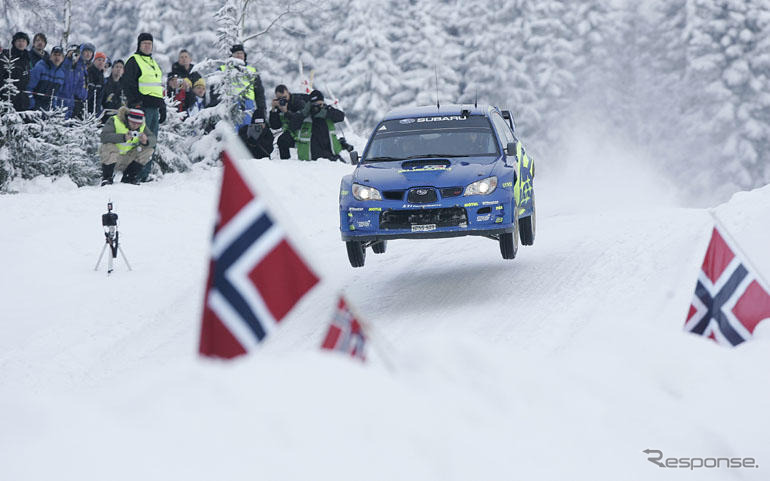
[286, 114]
[127, 144]
[317, 137]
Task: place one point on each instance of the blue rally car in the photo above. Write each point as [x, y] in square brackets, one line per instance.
[446, 171]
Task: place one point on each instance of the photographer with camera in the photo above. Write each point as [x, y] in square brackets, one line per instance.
[286, 114]
[127, 144]
[317, 136]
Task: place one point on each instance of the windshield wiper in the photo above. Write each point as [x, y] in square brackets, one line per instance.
[434, 156]
[382, 159]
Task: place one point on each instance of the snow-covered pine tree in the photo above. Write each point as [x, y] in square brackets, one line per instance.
[729, 54]
[360, 63]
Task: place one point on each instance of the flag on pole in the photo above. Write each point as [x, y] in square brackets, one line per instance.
[345, 333]
[729, 301]
[256, 275]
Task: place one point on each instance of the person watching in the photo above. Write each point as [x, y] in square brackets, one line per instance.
[112, 93]
[46, 80]
[37, 52]
[286, 114]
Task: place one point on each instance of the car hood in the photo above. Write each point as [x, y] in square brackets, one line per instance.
[418, 172]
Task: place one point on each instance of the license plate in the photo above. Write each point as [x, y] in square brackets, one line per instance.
[423, 227]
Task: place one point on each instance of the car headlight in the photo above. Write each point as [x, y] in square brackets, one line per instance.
[362, 192]
[482, 187]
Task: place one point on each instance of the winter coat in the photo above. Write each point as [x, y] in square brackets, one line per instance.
[108, 135]
[46, 81]
[112, 94]
[291, 120]
[185, 73]
[20, 71]
[130, 81]
[35, 57]
[320, 141]
[260, 107]
[95, 89]
[74, 91]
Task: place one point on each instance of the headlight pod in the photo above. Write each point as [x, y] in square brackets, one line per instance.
[482, 187]
[362, 192]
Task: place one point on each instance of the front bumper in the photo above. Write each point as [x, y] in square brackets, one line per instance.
[459, 216]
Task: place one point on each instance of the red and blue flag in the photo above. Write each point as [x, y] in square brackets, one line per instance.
[729, 300]
[345, 332]
[256, 274]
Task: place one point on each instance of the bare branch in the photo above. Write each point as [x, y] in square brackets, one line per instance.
[288, 11]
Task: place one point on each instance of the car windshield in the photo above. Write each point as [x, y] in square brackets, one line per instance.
[431, 137]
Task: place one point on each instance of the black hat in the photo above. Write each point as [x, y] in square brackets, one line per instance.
[238, 48]
[57, 49]
[316, 95]
[142, 37]
[19, 35]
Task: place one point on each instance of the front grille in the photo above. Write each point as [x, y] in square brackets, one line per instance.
[394, 194]
[451, 191]
[405, 219]
[422, 195]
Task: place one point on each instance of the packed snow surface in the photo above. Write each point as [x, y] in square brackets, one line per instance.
[565, 363]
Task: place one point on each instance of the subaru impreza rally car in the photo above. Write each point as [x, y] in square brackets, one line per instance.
[429, 172]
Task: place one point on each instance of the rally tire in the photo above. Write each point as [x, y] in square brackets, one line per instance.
[356, 253]
[380, 246]
[527, 227]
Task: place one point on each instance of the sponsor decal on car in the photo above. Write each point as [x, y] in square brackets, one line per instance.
[490, 202]
[364, 223]
[471, 204]
[483, 218]
[406, 121]
[499, 207]
[507, 184]
[421, 206]
[427, 168]
[440, 119]
[375, 209]
[355, 209]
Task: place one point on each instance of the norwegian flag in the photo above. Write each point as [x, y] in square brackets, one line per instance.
[256, 275]
[729, 301]
[345, 332]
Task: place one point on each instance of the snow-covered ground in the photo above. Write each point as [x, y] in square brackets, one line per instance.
[565, 363]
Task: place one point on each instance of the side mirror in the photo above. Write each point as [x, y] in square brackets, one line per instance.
[511, 148]
[354, 157]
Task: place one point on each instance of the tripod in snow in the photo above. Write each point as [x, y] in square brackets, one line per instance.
[111, 236]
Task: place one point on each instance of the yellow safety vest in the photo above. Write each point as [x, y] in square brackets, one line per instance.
[120, 128]
[151, 79]
[244, 83]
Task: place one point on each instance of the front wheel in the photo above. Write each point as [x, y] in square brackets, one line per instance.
[380, 246]
[527, 227]
[509, 244]
[356, 253]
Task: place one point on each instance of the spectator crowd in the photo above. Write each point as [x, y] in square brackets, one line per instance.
[129, 98]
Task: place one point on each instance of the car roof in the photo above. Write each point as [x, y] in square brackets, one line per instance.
[433, 111]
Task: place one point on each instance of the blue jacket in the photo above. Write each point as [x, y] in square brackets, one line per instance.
[46, 80]
[75, 88]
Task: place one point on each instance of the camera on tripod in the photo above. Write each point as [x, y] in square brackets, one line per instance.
[110, 221]
[345, 145]
[110, 225]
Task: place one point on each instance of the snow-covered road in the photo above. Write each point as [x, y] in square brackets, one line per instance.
[564, 363]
